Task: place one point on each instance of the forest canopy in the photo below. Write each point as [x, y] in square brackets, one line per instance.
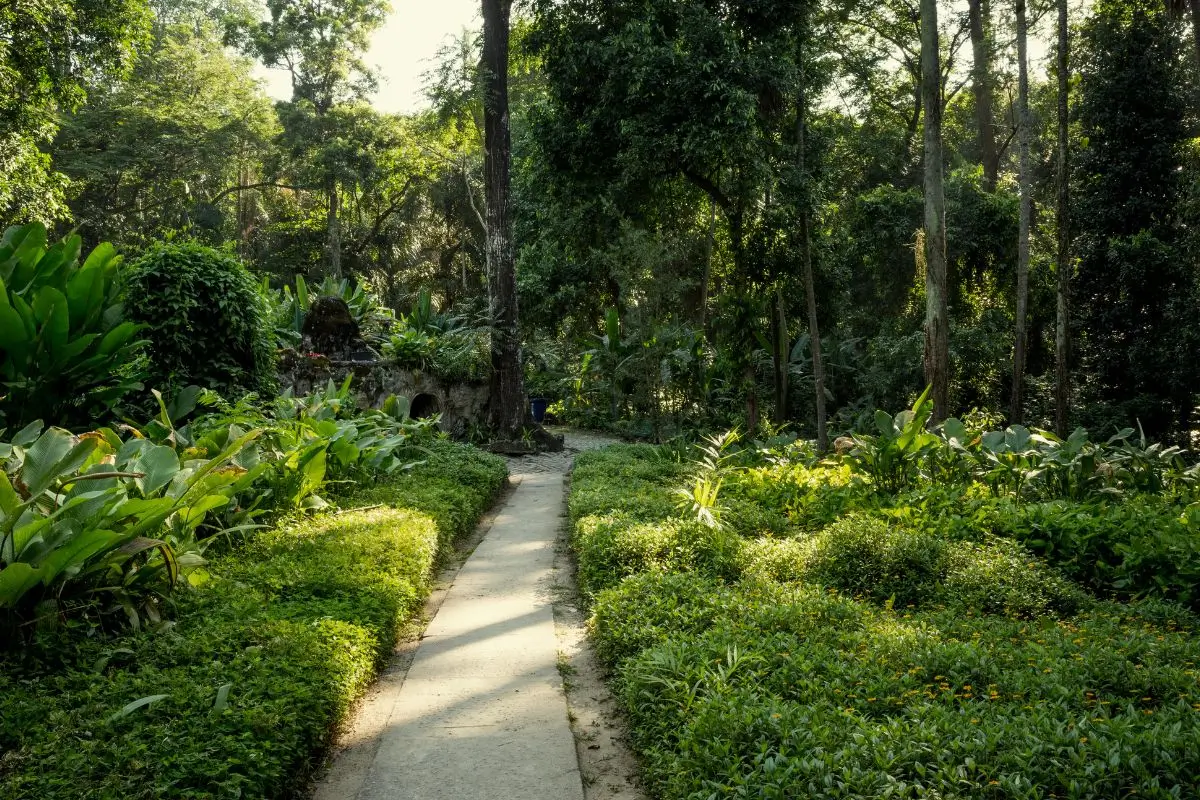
[720, 210]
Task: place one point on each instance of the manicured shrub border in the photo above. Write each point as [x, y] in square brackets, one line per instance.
[257, 669]
[872, 655]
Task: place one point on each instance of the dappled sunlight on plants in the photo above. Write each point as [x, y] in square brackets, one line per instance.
[906, 634]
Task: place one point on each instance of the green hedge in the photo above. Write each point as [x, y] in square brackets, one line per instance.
[258, 667]
[872, 650]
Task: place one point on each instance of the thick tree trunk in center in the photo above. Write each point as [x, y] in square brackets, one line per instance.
[507, 407]
[1024, 135]
[937, 328]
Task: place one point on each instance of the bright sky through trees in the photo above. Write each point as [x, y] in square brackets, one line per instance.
[402, 50]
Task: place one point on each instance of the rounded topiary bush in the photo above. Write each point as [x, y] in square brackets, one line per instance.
[206, 319]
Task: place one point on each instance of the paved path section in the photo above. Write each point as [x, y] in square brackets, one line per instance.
[481, 712]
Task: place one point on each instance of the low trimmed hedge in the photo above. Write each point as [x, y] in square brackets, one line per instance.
[258, 668]
[872, 651]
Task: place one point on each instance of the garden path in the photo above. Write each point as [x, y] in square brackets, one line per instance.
[476, 707]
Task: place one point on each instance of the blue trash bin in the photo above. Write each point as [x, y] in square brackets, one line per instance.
[537, 407]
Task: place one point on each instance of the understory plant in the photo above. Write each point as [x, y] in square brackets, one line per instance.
[67, 352]
[110, 521]
[916, 642]
[102, 524]
[205, 319]
[288, 307]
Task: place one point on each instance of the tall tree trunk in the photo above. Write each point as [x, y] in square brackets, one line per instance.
[783, 359]
[507, 405]
[706, 286]
[810, 291]
[1062, 333]
[333, 229]
[979, 15]
[1024, 133]
[937, 324]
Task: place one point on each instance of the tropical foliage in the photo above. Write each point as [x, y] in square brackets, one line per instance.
[68, 352]
[883, 621]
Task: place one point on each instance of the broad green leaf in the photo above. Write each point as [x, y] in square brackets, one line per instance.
[70, 558]
[158, 463]
[10, 501]
[141, 702]
[54, 456]
[29, 434]
[15, 581]
[222, 701]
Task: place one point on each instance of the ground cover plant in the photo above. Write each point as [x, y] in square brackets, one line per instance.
[232, 684]
[898, 621]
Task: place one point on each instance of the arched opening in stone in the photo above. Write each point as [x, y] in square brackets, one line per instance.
[424, 406]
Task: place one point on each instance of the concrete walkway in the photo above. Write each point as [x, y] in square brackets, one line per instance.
[481, 712]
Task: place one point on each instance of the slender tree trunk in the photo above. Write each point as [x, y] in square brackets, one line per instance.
[1024, 134]
[810, 291]
[1062, 333]
[981, 85]
[333, 230]
[937, 327]
[709, 246]
[507, 406]
[783, 347]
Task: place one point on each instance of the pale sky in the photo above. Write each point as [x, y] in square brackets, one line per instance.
[403, 49]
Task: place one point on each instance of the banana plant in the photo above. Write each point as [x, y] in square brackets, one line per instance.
[66, 351]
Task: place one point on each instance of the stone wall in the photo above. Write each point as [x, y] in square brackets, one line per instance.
[461, 404]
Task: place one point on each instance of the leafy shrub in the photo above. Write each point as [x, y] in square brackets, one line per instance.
[1002, 577]
[630, 477]
[755, 691]
[67, 354]
[612, 547]
[789, 495]
[1139, 547]
[260, 666]
[206, 320]
[865, 557]
[975, 670]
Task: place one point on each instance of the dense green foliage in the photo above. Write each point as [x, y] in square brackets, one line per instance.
[825, 631]
[240, 695]
[68, 353]
[205, 318]
[676, 167]
[52, 52]
[103, 524]
[1136, 287]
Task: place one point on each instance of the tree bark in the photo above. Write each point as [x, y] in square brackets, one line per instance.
[981, 86]
[507, 407]
[937, 330]
[333, 230]
[1062, 333]
[1023, 136]
[783, 361]
[810, 291]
